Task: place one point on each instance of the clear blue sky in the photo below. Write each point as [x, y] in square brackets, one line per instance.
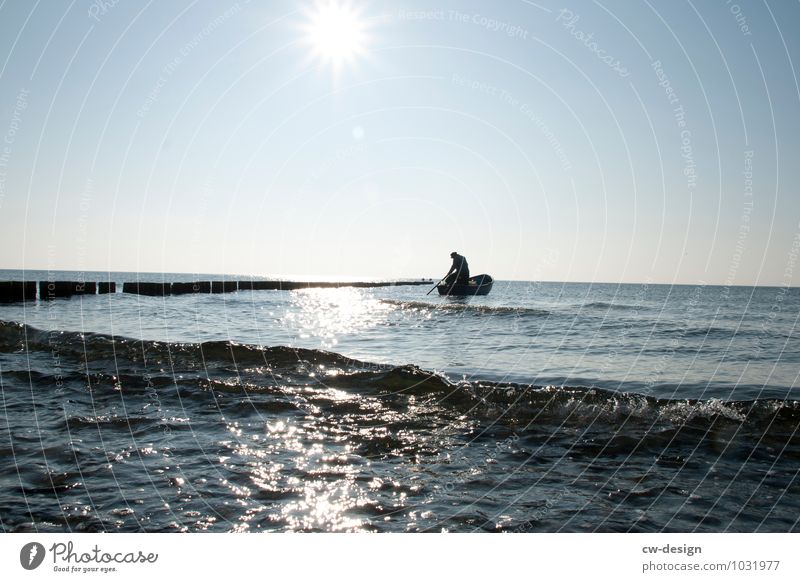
[588, 141]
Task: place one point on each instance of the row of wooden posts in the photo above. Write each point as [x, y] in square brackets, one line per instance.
[14, 291]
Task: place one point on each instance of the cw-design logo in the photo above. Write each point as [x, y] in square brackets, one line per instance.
[31, 555]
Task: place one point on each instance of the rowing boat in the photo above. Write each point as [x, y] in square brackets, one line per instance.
[478, 285]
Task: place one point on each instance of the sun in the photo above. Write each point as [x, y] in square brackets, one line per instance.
[336, 32]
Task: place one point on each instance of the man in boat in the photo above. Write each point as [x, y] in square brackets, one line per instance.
[459, 272]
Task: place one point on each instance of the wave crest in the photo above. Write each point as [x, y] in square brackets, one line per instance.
[248, 368]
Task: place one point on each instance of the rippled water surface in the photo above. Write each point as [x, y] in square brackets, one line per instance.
[542, 407]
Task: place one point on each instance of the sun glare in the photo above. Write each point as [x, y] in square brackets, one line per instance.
[336, 32]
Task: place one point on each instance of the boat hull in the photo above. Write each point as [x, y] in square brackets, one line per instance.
[478, 285]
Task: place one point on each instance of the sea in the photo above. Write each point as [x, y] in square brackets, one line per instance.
[542, 407]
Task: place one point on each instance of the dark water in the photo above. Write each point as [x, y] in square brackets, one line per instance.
[543, 407]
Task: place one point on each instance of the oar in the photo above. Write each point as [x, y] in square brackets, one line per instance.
[437, 284]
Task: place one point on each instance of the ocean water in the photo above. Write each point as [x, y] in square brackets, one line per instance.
[541, 407]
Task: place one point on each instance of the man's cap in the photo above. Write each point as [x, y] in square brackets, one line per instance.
[453, 254]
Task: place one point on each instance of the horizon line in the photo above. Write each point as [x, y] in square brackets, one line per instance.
[348, 278]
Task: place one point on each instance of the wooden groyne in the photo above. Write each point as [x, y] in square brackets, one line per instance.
[56, 289]
[17, 291]
[12, 291]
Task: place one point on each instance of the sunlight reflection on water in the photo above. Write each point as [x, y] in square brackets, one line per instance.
[329, 313]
